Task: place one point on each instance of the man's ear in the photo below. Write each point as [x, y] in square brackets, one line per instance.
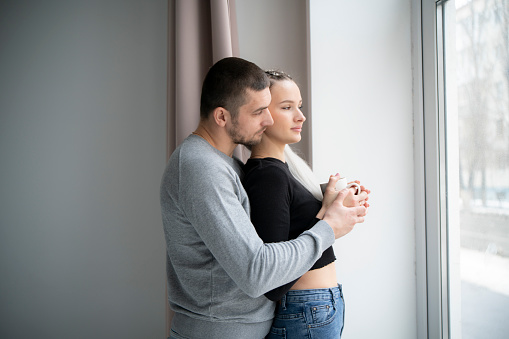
[221, 116]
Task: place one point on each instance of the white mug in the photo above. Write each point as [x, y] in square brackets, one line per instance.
[342, 184]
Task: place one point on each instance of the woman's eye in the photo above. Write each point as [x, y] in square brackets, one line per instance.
[287, 107]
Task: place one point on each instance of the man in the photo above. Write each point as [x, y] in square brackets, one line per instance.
[218, 268]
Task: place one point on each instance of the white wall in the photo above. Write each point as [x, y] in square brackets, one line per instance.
[82, 149]
[362, 127]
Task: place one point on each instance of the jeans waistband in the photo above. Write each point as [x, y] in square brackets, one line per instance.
[313, 294]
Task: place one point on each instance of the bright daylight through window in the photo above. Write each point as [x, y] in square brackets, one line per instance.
[476, 77]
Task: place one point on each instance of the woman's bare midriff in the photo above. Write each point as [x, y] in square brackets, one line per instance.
[324, 277]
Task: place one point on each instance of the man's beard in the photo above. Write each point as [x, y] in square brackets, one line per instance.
[235, 134]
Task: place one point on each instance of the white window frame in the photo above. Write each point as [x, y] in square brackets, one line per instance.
[432, 271]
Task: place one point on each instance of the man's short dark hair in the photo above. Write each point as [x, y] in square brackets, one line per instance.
[226, 83]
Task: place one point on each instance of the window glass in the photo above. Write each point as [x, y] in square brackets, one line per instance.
[476, 76]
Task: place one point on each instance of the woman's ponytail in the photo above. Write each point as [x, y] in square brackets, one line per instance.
[303, 173]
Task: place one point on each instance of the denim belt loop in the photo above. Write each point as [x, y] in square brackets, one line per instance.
[333, 298]
[283, 302]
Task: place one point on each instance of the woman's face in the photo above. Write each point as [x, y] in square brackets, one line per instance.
[285, 110]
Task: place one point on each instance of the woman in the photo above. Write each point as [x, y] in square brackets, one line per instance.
[285, 200]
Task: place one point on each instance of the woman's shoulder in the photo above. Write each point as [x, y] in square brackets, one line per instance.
[266, 166]
[267, 176]
[267, 173]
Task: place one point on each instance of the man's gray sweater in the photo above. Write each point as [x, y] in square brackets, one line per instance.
[218, 268]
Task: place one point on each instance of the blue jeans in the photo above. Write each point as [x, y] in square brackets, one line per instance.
[315, 314]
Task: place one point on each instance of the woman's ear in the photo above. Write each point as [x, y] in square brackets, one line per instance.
[221, 116]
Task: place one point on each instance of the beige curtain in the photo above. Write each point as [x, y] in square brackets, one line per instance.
[200, 32]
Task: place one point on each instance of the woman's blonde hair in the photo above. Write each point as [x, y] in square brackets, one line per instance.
[303, 173]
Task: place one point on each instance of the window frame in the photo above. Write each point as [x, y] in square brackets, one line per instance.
[432, 270]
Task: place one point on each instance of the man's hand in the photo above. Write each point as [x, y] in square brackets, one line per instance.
[329, 195]
[341, 218]
[351, 200]
[354, 200]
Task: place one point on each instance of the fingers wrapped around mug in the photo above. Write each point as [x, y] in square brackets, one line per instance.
[329, 194]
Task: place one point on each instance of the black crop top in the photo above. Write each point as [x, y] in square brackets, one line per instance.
[281, 208]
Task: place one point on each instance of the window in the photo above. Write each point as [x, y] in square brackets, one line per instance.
[464, 256]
